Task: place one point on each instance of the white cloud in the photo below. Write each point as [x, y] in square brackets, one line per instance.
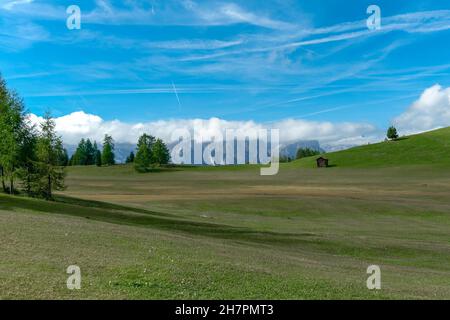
[230, 13]
[33, 9]
[17, 35]
[431, 111]
[329, 133]
[192, 44]
[9, 5]
[185, 12]
[79, 125]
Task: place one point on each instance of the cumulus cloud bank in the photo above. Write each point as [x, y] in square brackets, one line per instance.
[79, 125]
[430, 111]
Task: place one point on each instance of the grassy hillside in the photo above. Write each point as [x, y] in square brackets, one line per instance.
[227, 233]
[421, 149]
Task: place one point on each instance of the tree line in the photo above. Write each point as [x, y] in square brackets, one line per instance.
[301, 153]
[151, 152]
[31, 160]
[88, 154]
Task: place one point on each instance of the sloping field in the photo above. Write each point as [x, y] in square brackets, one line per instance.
[422, 149]
[230, 233]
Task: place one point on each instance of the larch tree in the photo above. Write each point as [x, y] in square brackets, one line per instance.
[13, 130]
[392, 133]
[144, 156]
[98, 155]
[49, 151]
[160, 153]
[28, 164]
[108, 157]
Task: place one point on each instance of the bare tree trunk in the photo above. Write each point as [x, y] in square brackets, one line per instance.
[11, 185]
[49, 191]
[28, 187]
[3, 180]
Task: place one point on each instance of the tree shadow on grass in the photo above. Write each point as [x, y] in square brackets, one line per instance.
[122, 215]
[164, 169]
[308, 241]
[106, 205]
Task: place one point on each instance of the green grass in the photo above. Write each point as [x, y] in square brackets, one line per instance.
[421, 149]
[229, 233]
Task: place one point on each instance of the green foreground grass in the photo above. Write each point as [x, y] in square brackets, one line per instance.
[228, 233]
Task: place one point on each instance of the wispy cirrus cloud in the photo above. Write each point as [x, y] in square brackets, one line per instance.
[9, 5]
[281, 36]
[192, 44]
[32, 9]
[276, 55]
[16, 35]
[186, 12]
[231, 13]
[418, 22]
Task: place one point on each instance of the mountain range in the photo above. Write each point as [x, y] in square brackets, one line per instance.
[122, 150]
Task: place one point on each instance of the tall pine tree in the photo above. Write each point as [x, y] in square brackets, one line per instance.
[108, 157]
[79, 158]
[98, 155]
[160, 153]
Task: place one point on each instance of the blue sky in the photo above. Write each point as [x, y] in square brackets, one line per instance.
[266, 61]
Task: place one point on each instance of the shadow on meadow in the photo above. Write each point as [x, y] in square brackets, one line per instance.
[106, 212]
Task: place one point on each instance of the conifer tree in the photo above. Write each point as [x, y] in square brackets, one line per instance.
[392, 133]
[13, 130]
[108, 157]
[160, 153]
[64, 159]
[144, 159]
[79, 158]
[28, 166]
[130, 158]
[98, 155]
[49, 151]
[90, 153]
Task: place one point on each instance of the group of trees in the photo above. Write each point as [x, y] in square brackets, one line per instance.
[306, 152]
[150, 152]
[30, 159]
[87, 153]
[301, 153]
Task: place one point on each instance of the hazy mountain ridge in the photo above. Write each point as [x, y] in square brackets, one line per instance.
[290, 150]
[122, 150]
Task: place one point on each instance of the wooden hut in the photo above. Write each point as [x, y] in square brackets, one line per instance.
[322, 162]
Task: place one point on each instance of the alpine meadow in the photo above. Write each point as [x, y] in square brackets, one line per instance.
[224, 158]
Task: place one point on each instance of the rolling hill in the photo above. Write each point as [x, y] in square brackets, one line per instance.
[421, 149]
[229, 233]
